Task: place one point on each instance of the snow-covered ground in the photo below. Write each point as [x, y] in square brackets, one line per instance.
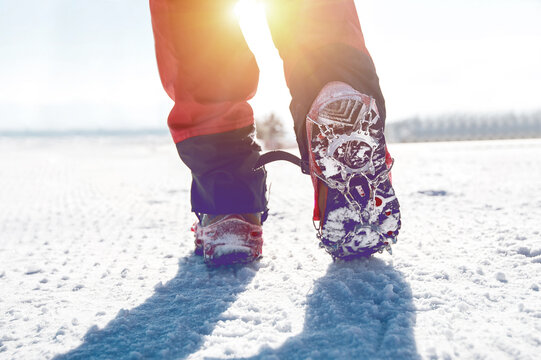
[96, 260]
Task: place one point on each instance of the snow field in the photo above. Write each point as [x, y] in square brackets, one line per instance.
[96, 260]
[471, 222]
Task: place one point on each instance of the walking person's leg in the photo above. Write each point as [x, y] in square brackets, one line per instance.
[339, 115]
[209, 72]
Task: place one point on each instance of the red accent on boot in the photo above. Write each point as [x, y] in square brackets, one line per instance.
[388, 163]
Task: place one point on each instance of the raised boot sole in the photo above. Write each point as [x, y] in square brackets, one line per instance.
[362, 213]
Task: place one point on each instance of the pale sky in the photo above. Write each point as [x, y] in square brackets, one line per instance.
[78, 64]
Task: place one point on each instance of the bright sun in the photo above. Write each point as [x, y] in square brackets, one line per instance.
[246, 8]
[251, 17]
[272, 94]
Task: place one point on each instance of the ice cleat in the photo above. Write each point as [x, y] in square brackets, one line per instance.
[228, 239]
[356, 207]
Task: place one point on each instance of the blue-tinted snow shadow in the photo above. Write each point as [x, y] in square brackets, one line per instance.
[361, 309]
[171, 323]
[433, 192]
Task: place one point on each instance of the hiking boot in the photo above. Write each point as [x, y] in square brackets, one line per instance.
[355, 204]
[228, 239]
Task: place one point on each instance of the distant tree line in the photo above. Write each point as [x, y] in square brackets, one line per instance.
[456, 127]
[451, 127]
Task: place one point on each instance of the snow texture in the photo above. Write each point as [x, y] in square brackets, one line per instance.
[96, 260]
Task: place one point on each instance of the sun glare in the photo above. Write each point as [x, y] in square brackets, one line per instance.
[272, 94]
[245, 9]
[251, 17]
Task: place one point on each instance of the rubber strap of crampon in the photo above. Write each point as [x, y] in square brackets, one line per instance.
[276, 155]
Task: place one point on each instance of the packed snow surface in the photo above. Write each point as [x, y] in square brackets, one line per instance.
[96, 260]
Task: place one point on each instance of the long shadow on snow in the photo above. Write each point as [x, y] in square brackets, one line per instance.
[170, 324]
[359, 310]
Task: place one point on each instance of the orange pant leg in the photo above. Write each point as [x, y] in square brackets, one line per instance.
[205, 66]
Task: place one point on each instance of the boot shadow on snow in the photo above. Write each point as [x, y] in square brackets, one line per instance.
[360, 309]
[172, 323]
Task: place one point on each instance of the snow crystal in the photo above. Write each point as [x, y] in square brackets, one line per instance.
[501, 277]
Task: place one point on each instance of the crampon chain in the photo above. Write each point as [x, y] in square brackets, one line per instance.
[344, 188]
